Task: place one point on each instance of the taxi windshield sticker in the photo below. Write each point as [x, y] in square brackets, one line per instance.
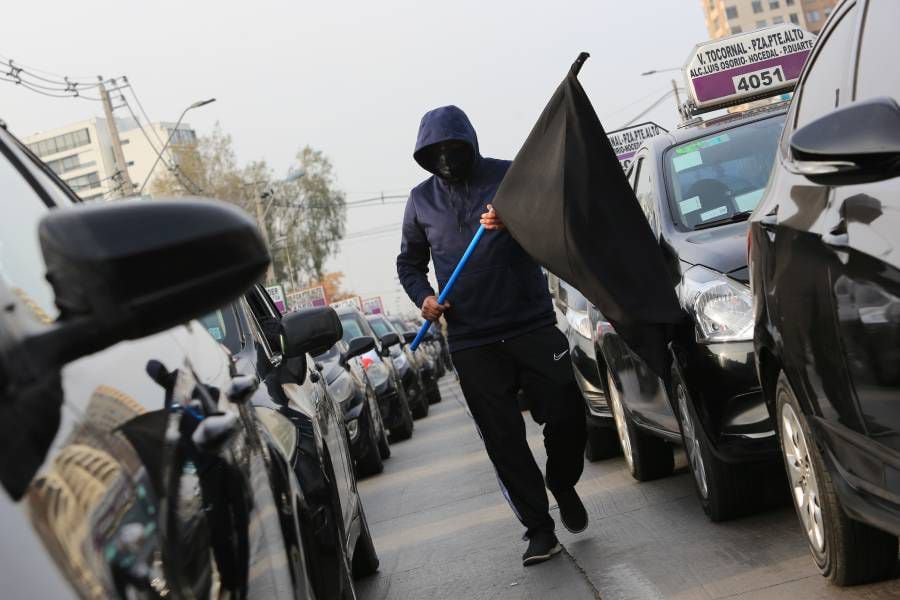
[757, 64]
[701, 144]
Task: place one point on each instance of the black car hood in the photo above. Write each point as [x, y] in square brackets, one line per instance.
[723, 248]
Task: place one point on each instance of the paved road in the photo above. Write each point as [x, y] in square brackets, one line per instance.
[443, 530]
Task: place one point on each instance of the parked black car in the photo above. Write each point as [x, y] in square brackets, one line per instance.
[422, 360]
[393, 349]
[132, 464]
[697, 186]
[307, 423]
[825, 262]
[432, 341]
[348, 382]
[396, 405]
[573, 319]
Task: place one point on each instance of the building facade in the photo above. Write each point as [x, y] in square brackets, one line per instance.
[82, 154]
[726, 17]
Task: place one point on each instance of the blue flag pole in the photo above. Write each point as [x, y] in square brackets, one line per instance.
[444, 292]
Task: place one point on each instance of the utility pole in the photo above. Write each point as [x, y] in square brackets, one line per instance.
[677, 97]
[126, 187]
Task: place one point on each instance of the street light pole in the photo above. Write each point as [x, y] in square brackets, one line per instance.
[674, 84]
[159, 156]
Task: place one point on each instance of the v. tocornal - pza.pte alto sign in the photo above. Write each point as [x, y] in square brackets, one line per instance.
[745, 66]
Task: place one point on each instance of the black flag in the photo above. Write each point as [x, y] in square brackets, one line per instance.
[566, 201]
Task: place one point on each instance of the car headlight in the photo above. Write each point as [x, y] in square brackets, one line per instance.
[722, 307]
[353, 428]
[377, 373]
[401, 363]
[341, 389]
[580, 322]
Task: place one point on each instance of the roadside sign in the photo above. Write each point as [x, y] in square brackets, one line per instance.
[373, 306]
[308, 298]
[626, 141]
[352, 302]
[746, 66]
[276, 293]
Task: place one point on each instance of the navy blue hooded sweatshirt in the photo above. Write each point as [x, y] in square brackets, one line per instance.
[502, 292]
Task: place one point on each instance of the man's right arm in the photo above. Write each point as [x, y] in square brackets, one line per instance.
[412, 262]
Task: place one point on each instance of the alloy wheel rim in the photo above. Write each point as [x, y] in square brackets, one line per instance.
[621, 425]
[804, 484]
[692, 444]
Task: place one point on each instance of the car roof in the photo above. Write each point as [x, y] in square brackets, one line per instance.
[720, 123]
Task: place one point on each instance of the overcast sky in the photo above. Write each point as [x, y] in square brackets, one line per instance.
[352, 79]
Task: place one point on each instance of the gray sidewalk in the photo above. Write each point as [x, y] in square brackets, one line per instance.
[443, 530]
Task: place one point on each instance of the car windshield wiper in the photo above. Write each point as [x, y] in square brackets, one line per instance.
[735, 218]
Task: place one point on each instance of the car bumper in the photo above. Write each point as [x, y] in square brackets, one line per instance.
[721, 378]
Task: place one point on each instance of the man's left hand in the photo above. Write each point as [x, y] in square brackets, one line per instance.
[490, 220]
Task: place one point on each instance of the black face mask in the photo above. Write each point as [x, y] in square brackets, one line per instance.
[453, 161]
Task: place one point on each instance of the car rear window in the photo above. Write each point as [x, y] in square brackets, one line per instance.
[380, 327]
[352, 329]
[724, 174]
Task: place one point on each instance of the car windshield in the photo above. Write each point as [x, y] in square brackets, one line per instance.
[400, 325]
[719, 176]
[380, 327]
[222, 325]
[352, 328]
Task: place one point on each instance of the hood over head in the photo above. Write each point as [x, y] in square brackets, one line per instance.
[444, 124]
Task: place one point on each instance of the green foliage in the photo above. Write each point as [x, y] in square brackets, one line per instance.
[304, 218]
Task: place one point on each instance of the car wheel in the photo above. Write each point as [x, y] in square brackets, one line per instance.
[434, 393]
[726, 490]
[846, 551]
[370, 463]
[384, 446]
[602, 443]
[646, 456]
[421, 409]
[365, 558]
[403, 431]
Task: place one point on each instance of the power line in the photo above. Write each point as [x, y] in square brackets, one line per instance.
[173, 168]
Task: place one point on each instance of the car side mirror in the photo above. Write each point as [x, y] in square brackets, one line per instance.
[310, 330]
[409, 336]
[127, 269]
[357, 347]
[858, 143]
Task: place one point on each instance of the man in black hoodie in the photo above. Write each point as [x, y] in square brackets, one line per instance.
[500, 323]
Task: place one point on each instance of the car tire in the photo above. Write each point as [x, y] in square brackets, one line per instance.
[403, 431]
[365, 558]
[647, 457]
[602, 443]
[421, 409]
[846, 551]
[371, 462]
[384, 446]
[434, 392]
[726, 490]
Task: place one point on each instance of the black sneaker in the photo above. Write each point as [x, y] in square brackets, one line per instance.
[571, 511]
[542, 546]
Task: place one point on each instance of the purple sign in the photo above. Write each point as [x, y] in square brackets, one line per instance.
[747, 65]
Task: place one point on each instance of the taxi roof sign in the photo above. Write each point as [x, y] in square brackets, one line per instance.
[746, 66]
[627, 141]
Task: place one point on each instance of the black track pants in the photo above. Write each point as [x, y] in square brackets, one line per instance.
[537, 362]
